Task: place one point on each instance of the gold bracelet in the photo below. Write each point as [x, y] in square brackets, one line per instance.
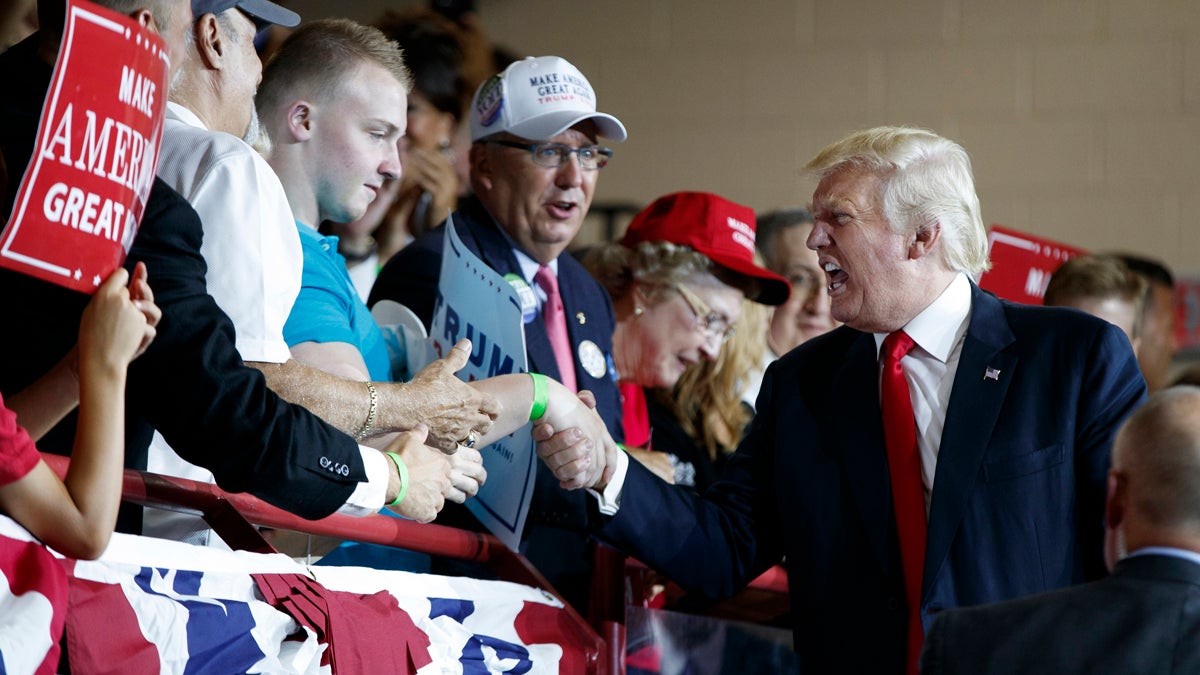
[370, 423]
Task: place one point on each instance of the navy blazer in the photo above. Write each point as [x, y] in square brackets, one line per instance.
[1017, 503]
[1142, 620]
[556, 532]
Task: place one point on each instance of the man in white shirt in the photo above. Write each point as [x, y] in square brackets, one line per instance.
[969, 469]
[1145, 618]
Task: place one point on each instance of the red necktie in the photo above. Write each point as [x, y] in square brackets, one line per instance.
[556, 326]
[908, 494]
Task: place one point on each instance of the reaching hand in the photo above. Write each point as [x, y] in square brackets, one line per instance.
[113, 329]
[466, 475]
[451, 408]
[428, 476]
[583, 454]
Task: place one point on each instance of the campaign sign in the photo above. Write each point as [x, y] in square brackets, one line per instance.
[477, 303]
[83, 195]
[1187, 314]
[1022, 264]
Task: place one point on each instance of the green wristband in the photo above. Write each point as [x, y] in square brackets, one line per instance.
[403, 469]
[541, 396]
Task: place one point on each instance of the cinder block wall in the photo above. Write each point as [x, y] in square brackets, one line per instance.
[1082, 117]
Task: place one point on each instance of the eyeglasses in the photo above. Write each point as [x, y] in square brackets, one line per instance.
[714, 324]
[554, 155]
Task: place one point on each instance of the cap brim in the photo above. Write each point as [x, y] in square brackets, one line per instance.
[264, 13]
[772, 288]
[552, 124]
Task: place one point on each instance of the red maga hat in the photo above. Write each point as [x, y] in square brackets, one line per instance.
[718, 228]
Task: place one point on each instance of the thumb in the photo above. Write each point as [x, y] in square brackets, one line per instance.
[458, 356]
[420, 433]
[117, 279]
[588, 398]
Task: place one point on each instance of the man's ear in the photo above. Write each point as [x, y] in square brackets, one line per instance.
[300, 121]
[924, 240]
[1114, 501]
[209, 41]
[481, 169]
[145, 19]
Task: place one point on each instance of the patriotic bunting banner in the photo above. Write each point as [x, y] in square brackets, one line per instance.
[151, 605]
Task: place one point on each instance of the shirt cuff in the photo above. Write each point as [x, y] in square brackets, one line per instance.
[610, 499]
[368, 497]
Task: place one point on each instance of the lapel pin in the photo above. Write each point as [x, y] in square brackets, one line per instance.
[581, 318]
[991, 374]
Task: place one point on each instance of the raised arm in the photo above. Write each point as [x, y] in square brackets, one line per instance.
[77, 518]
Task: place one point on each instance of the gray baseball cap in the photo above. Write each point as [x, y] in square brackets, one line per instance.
[262, 12]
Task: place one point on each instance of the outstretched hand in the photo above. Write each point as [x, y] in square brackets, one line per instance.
[582, 454]
[451, 408]
[428, 475]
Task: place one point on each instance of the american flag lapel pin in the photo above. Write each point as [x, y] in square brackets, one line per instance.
[991, 374]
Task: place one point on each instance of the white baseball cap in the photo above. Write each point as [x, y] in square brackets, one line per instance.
[538, 98]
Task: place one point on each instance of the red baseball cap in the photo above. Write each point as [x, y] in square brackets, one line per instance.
[714, 226]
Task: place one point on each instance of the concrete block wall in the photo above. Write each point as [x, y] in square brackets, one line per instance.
[1082, 117]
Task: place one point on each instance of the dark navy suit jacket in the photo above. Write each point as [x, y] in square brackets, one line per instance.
[556, 532]
[1143, 619]
[1017, 502]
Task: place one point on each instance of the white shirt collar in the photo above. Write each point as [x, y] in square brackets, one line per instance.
[529, 266]
[930, 328]
[1167, 551]
[176, 111]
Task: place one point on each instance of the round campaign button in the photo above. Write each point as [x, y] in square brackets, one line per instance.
[591, 358]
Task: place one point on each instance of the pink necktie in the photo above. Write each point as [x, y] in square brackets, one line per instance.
[556, 326]
[908, 494]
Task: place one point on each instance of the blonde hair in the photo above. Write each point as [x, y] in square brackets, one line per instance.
[927, 181]
[317, 58]
[707, 399]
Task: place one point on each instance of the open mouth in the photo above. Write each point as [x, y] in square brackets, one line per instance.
[837, 277]
[562, 210]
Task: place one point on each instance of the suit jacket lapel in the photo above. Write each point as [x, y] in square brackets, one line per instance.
[860, 441]
[497, 253]
[980, 384]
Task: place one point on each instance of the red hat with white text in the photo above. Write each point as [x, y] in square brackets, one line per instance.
[720, 229]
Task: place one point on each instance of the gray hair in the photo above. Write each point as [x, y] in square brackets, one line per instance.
[927, 183]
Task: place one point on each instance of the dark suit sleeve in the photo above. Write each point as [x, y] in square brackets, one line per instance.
[215, 411]
[411, 276]
[1112, 388]
[933, 651]
[713, 544]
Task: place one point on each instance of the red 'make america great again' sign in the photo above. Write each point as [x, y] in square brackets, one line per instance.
[83, 195]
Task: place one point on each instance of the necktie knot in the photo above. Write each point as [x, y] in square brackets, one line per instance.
[555, 319]
[897, 345]
[546, 279]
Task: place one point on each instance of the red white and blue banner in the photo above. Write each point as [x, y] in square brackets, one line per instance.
[157, 606]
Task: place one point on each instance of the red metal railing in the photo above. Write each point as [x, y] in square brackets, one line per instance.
[233, 517]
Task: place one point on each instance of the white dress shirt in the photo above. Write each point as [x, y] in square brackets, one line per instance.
[929, 368]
